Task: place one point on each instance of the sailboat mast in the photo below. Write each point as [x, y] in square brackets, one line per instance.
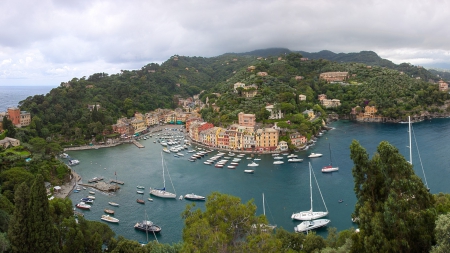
[162, 163]
[331, 161]
[310, 187]
[410, 147]
[264, 207]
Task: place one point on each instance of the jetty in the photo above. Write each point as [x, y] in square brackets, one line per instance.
[137, 144]
[95, 180]
[102, 186]
[116, 181]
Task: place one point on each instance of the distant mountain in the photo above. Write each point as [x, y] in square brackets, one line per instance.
[265, 52]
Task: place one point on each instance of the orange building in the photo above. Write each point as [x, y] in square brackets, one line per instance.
[14, 115]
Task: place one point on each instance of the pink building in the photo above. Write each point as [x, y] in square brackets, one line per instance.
[247, 120]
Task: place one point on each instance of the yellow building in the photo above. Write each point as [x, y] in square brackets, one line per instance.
[266, 139]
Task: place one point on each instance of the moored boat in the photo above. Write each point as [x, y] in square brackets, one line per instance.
[310, 225]
[278, 162]
[313, 155]
[109, 211]
[140, 201]
[249, 171]
[108, 218]
[83, 205]
[231, 167]
[140, 192]
[295, 160]
[147, 226]
[113, 203]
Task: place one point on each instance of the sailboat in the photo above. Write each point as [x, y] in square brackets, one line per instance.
[162, 193]
[330, 167]
[267, 227]
[410, 151]
[311, 215]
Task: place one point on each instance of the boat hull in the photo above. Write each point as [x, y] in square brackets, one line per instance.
[306, 216]
[310, 225]
[162, 194]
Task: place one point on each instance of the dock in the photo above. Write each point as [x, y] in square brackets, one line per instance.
[137, 144]
[95, 180]
[116, 181]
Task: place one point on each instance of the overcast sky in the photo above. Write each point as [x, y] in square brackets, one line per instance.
[48, 42]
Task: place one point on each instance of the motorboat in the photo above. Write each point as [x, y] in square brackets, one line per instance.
[192, 196]
[249, 171]
[147, 226]
[73, 162]
[329, 168]
[108, 218]
[90, 197]
[140, 187]
[218, 165]
[257, 159]
[92, 192]
[295, 160]
[310, 225]
[113, 203]
[140, 192]
[87, 200]
[313, 155]
[253, 164]
[235, 164]
[231, 166]
[278, 162]
[278, 157]
[109, 211]
[292, 156]
[140, 201]
[83, 205]
[150, 199]
[64, 155]
[275, 154]
[208, 163]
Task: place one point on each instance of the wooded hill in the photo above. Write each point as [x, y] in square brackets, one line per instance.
[395, 94]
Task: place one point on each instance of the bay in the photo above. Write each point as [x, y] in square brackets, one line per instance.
[286, 186]
[10, 96]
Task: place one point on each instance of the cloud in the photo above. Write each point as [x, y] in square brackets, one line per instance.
[59, 40]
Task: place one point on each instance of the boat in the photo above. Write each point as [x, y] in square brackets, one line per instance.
[313, 155]
[73, 162]
[278, 157]
[181, 197]
[410, 131]
[64, 155]
[108, 211]
[83, 205]
[162, 193]
[108, 218]
[208, 163]
[278, 162]
[292, 156]
[330, 167]
[191, 160]
[92, 192]
[310, 214]
[266, 227]
[253, 164]
[140, 201]
[295, 160]
[249, 171]
[87, 200]
[192, 196]
[76, 191]
[234, 164]
[113, 203]
[231, 167]
[90, 197]
[140, 187]
[140, 192]
[218, 165]
[257, 159]
[147, 226]
[310, 225]
[150, 199]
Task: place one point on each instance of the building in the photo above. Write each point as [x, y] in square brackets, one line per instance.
[302, 97]
[14, 115]
[91, 107]
[238, 85]
[297, 139]
[328, 103]
[310, 114]
[266, 139]
[334, 76]
[443, 86]
[274, 113]
[247, 120]
[283, 146]
[138, 125]
[9, 142]
[25, 118]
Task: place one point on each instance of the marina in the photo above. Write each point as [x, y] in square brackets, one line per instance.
[286, 186]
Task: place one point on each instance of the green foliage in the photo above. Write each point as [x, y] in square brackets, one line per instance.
[442, 234]
[442, 203]
[394, 207]
[19, 232]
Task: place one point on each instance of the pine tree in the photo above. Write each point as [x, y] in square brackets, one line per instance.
[18, 233]
[43, 233]
[394, 207]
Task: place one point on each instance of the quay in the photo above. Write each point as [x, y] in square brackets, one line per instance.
[102, 186]
[116, 181]
[137, 144]
[95, 180]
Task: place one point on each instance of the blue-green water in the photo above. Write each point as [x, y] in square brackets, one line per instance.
[286, 187]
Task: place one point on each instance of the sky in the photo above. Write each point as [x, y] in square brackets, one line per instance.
[49, 42]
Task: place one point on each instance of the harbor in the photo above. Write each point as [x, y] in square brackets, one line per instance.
[286, 186]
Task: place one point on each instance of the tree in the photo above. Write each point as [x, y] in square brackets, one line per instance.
[224, 225]
[442, 234]
[393, 205]
[19, 232]
[9, 127]
[42, 231]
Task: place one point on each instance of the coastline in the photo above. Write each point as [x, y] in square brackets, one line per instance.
[68, 187]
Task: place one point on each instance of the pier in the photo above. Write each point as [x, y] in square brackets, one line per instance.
[95, 180]
[137, 144]
[116, 181]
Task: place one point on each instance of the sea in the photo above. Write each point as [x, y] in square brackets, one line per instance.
[10, 96]
[286, 187]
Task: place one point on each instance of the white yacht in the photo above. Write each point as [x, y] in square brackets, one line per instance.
[278, 162]
[253, 164]
[312, 155]
[310, 225]
[193, 196]
[295, 160]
